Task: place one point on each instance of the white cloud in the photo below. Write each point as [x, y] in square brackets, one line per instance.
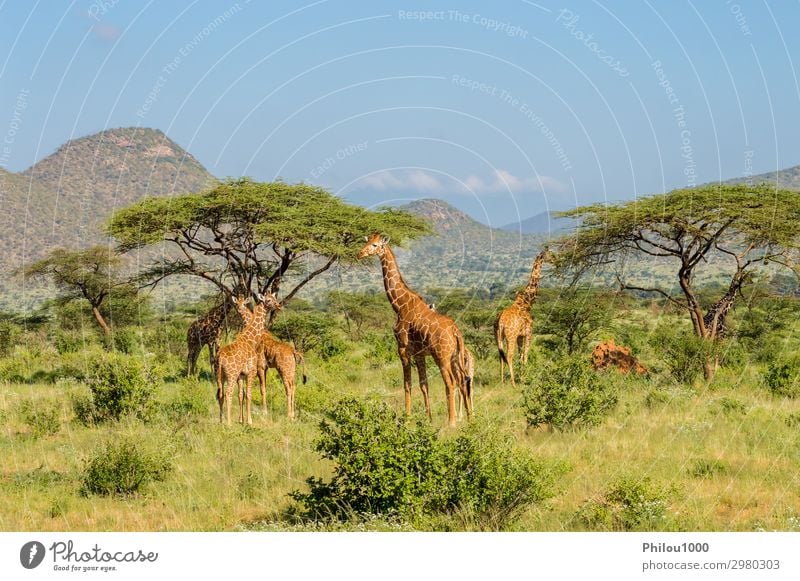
[423, 182]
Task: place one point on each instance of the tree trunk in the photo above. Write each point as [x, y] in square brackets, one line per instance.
[101, 321]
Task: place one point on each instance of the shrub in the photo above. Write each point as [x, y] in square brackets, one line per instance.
[122, 468]
[69, 341]
[566, 393]
[42, 417]
[8, 336]
[125, 340]
[684, 353]
[387, 465]
[781, 377]
[629, 504]
[120, 386]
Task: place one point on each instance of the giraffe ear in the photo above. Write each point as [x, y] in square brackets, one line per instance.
[366, 238]
[385, 239]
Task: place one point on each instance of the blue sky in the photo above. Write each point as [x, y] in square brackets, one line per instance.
[504, 109]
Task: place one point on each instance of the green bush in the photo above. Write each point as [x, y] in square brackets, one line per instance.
[42, 417]
[566, 393]
[629, 504]
[8, 336]
[781, 377]
[125, 340]
[69, 341]
[119, 386]
[684, 353]
[122, 468]
[387, 465]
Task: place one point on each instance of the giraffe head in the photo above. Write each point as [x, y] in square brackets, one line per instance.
[240, 302]
[270, 302]
[376, 245]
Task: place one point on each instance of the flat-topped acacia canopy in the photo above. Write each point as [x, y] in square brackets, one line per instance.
[245, 236]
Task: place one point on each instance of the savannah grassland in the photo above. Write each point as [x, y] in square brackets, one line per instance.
[723, 456]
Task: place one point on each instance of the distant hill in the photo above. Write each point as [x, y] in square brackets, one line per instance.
[788, 178]
[64, 199]
[463, 254]
[543, 224]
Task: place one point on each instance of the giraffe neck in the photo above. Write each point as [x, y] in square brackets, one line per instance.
[528, 295]
[396, 288]
[255, 327]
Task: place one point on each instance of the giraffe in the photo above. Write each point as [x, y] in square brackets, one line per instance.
[714, 319]
[469, 373]
[274, 353]
[514, 324]
[420, 332]
[240, 357]
[206, 330]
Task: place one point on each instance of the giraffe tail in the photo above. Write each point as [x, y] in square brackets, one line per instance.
[300, 360]
[498, 334]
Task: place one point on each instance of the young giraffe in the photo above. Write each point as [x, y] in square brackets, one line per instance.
[240, 357]
[420, 332]
[513, 326]
[273, 353]
[206, 330]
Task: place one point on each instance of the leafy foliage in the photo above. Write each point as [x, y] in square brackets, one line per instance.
[42, 417]
[685, 355]
[629, 504]
[386, 465]
[783, 377]
[246, 236]
[119, 386]
[566, 394]
[570, 317]
[122, 468]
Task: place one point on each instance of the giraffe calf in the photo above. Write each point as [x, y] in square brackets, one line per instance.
[281, 356]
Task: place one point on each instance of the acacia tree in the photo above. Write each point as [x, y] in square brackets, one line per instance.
[245, 237]
[744, 225]
[91, 274]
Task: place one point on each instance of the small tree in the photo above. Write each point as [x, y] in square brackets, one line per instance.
[359, 310]
[742, 225]
[571, 316]
[92, 274]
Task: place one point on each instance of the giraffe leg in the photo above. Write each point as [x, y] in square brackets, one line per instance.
[191, 360]
[220, 392]
[212, 355]
[287, 377]
[449, 384]
[249, 397]
[526, 347]
[512, 347]
[405, 360]
[241, 399]
[229, 396]
[423, 383]
[262, 386]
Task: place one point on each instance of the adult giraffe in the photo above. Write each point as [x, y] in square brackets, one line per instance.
[514, 324]
[206, 331]
[420, 332]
